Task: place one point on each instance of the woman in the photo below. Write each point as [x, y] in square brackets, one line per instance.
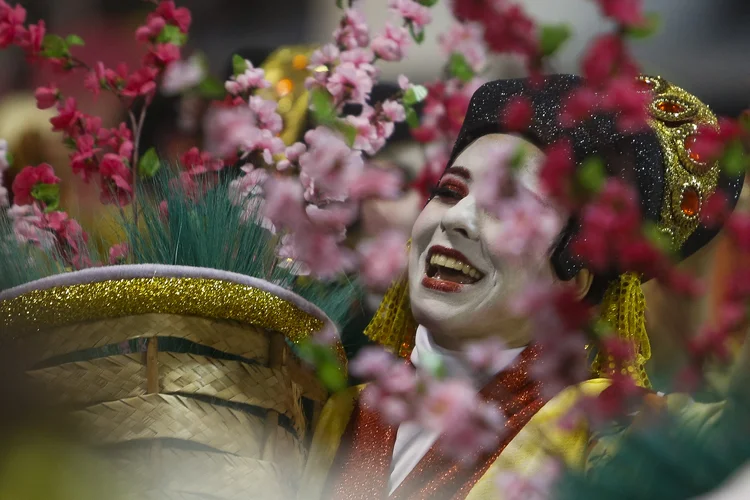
[440, 308]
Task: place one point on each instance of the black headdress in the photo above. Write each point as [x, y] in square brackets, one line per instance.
[672, 185]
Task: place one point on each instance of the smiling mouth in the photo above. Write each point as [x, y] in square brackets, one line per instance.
[447, 270]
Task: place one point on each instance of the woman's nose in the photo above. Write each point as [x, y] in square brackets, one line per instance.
[462, 218]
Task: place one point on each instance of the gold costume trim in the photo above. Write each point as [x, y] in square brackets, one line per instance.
[688, 181]
[207, 298]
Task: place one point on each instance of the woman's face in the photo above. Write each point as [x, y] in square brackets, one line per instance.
[460, 287]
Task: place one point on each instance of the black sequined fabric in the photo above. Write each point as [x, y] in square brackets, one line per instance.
[637, 158]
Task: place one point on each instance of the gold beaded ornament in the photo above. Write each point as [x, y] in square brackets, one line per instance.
[675, 116]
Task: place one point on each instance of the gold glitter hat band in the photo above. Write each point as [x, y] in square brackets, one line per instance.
[114, 291]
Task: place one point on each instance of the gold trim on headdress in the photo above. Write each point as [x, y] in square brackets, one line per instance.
[689, 180]
[286, 71]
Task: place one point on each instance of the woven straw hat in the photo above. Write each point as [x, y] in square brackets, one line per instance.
[184, 377]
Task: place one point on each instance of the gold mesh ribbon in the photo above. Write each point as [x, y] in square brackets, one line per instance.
[624, 310]
[393, 325]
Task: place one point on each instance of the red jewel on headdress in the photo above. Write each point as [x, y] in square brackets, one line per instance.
[671, 107]
[693, 155]
[690, 203]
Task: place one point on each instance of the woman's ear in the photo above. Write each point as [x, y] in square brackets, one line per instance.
[583, 281]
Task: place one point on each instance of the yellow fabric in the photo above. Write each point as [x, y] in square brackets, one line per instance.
[325, 442]
[541, 437]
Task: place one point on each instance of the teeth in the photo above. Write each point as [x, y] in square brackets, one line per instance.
[451, 263]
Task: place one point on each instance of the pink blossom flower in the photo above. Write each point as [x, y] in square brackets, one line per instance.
[162, 54]
[46, 97]
[361, 59]
[469, 426]
[578, 106]
[514, 486]
[28, 178]
[485, 356]
[284, 202]
[141, 83]
[372, 362]
[352, 31]
[324, 56]
[517, 115]
[528, 227]
[26, 226]
[349, 83]
[33, 39]
[511, 30]
[250, 183]
[626, 12]
[466, 39]
[265, 114]
[118, 253]
[623, 97]
[292, 155]
[262, 141]
[4, 164]
[556, 172]
[83, 161]
[411, 11]
[606, 57]
[393, 388]
[67, 117]
[180, 76]
[383, 259]
[252, 79]
[330, 165]
[153, 27]
[117, 180]
[316, 252]
[403, 82]
[333, 218]
[179, 17]
[392, 43]
[11, 24]
[393, 111]
[375, 182]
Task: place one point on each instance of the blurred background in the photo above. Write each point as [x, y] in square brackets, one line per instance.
[701, 44]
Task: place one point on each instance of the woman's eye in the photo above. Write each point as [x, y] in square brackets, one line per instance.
[450, 191]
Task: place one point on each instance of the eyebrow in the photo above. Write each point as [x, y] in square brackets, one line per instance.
[460, 172]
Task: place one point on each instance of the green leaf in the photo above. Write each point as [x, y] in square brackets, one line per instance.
[55, 46]
[332, 376]
[9, 158]
[591, 175]
[321, 102]
[552, 37]
[239, 65]
[412, 119]
[428, 3]
[418, 36]
[340, 4]
[172, 34]
[149, 164]
[459, 68]
[434, 365]
[415, 94]
[650, 26]
[74, 40]
[49, 194]
[657, 237]
[347, 130]
[211, 88]
[734, 161]
[517, 160]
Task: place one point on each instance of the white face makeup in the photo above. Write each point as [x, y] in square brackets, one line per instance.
[459, 288]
